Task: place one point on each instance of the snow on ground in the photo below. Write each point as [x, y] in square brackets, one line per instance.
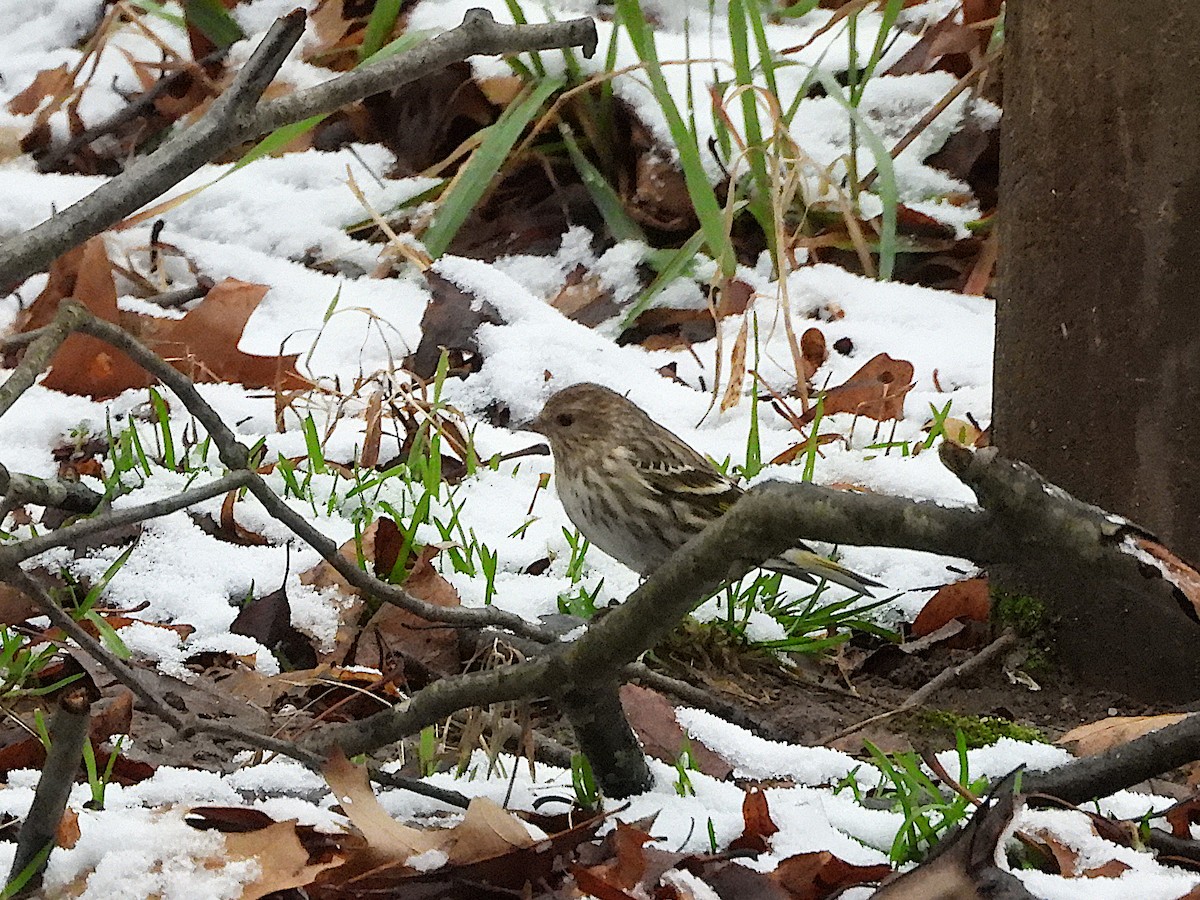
[258, 224]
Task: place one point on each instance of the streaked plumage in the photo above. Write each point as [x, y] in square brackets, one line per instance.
[638, 492]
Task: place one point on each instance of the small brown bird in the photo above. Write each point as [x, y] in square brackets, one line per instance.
[638, 492]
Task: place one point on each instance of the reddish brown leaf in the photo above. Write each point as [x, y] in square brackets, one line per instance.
[1183, 815]
[815, 876]
[203, 344]
[758, 825]
[389, 541]
[876, 391]
[47, 83]
[967, 601]
[652, 716]
[84, 364]
[813, 351]
[623, 871]
[67, 834]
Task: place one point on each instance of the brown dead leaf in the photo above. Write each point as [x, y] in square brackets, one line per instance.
[393, 631]
[204, 343]
[486, 831]
[660, 198]
[664, 328]
[1183, 815]
[967, 601]
[1096, 737]
[386, 838]
[15, 605]
[652, 716]
[47, 83]
[947, 46]
[815, 876]
[1114, 868]
[585, 299]
[282, 858]
[737, 367]
[368, 458]
[758, 825]
[624, 868]
[813, 351]
[232, 531]
[84, 364]
[450, 322]
[876, 391]
[1185, 579]
[734, 298]
[67, 834]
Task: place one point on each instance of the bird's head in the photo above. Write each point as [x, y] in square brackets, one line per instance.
[582, 416]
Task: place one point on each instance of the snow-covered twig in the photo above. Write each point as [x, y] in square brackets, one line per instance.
[237, 117]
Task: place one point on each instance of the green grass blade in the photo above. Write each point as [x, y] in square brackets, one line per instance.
[703, 197]
[674, 267]
[379, 26]
[887, 189]
[611, 208]
[483, 165]
[213, 21]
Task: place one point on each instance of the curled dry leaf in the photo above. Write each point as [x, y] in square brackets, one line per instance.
[486, 831]
[966, 601]
[813, 351]
[737, 367]
[283, 860]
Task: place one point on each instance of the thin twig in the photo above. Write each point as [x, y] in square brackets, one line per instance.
[234, 119]
[68, 731]
[922, 695]
[14, 553]
[72, 496]
[936, 110]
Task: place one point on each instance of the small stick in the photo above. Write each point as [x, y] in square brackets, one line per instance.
[921, 696]
[68, 731]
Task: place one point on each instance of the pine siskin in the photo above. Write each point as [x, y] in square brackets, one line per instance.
[638, 492]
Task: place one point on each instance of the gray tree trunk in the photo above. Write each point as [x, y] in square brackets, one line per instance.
[1098, 320]
[1098, 317]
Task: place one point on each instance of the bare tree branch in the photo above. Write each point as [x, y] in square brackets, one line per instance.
[68, 731]
[233, 119]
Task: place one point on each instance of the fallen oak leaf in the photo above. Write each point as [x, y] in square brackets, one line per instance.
[284, 862]
[387, 839]
[876, 391]
[204, 343]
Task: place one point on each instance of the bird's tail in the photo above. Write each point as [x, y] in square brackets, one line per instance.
[804, 563]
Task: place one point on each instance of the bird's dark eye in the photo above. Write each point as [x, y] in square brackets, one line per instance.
[564, 419]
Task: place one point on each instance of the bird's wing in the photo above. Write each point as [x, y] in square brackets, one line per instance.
[697, 483]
